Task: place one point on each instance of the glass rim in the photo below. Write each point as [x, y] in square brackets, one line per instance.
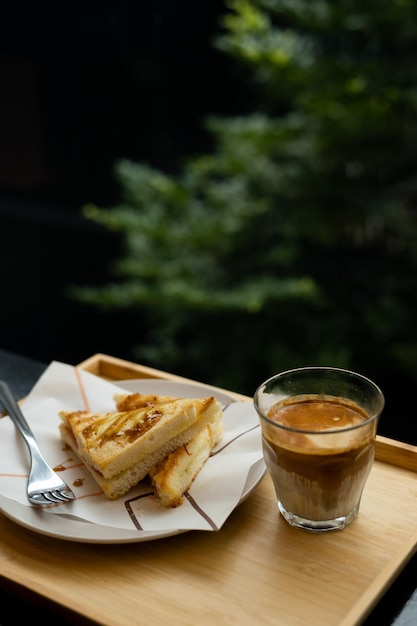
[313, 368]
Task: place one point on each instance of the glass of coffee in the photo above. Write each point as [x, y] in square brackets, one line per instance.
[318, 434]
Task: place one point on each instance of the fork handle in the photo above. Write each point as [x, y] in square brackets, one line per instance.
[16, 414]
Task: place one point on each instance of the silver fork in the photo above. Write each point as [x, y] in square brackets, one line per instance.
[44, 485]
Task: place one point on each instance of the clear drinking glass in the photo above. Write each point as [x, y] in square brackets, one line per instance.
[318, 434]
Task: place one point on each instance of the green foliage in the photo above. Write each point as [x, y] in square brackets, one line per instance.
[295, 241]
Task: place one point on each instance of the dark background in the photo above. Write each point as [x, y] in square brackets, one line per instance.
[83, 85]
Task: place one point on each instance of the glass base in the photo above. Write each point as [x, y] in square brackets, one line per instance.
[318, 526]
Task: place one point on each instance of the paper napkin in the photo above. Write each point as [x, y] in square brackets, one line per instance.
[214, 494]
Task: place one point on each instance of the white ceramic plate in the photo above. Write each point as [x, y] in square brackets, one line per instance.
[73, 529]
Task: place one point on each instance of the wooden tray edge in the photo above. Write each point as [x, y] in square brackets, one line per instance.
[112, 368]
[381, 583]
[396, 453]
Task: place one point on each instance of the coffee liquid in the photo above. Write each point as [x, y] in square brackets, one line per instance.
[319, 473]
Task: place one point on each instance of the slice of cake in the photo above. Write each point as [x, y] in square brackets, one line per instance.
[174, 475]
[120, 448]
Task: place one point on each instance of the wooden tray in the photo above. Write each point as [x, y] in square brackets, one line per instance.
[255, 570]
[293, 577]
